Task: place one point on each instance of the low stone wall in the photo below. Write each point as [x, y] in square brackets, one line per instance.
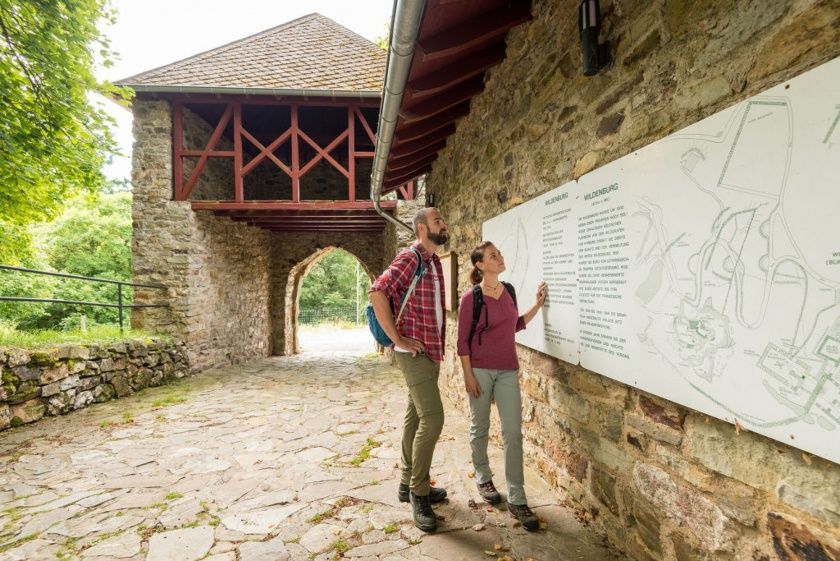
[61, 379]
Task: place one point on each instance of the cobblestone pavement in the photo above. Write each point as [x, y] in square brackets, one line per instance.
[287, 458]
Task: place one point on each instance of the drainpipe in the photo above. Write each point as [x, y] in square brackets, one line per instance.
[404, 30]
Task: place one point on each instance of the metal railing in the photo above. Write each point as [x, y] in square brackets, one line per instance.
[349, 314]
[120, 284]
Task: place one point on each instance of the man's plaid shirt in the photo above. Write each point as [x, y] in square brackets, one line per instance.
[418, 320]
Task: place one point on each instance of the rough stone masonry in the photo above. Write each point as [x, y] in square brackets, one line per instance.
[664, 483]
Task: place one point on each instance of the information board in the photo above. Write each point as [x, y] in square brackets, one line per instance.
[703, 268]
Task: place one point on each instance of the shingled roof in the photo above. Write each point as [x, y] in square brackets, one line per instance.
[312, 55]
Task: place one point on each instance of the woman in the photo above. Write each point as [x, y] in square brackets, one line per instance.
[488, 359]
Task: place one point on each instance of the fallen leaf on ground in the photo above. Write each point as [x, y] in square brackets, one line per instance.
[472, 504]
[471, 474]
[478, 527]
[489, 553]
[543, 526]
[500, 547]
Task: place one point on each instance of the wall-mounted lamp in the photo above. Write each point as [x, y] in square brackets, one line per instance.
[596, 56]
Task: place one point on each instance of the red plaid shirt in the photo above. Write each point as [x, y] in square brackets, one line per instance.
[418, 320]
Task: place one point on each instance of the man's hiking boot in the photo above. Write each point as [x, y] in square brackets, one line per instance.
[525, 516]
[436, 494]
[489, 493]
[424, 516]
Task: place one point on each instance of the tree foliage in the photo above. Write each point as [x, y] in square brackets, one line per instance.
[92, 238]
[53, 140]
[332, 283]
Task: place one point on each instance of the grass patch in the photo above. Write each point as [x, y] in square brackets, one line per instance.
[173, 495]
[342, 502]
[340, 546]
[390, 528]
[171, 399]
[321, 516]
[364, 453]
[100, 334]
[16, 543]
[128, 417]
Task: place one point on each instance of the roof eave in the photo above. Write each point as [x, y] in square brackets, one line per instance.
[293, 92]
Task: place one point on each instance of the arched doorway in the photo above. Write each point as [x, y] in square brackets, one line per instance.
[327, 287]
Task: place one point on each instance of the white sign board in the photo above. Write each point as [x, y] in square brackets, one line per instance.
[703, 268]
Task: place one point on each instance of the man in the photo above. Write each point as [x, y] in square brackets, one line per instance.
[418, 345]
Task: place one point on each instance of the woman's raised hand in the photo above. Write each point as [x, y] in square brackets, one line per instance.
[542, 292]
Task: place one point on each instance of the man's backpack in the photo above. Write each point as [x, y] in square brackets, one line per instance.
[373, 323]
[478, 303]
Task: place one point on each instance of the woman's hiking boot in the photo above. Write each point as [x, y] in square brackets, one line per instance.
[525, 516]
[489, 493]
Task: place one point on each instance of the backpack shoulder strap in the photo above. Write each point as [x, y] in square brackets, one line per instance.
[478, 302]
[418, 272]
[421, 267]
[512, 292]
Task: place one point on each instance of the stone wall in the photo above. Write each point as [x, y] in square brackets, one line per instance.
[54, 381]
[293, 255]
[216, 271]
[662, 481]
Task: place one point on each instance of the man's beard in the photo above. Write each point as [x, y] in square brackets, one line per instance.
[439, 239]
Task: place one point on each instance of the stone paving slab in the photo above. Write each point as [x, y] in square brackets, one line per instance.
[286, 458]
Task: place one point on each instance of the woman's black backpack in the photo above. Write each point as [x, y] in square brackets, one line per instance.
[478, 303]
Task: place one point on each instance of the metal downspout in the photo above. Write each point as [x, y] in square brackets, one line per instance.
[405, 28]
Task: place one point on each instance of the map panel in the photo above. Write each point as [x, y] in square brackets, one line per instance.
[704, 268]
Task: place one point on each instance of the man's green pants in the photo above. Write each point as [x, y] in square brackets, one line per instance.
[423, 420]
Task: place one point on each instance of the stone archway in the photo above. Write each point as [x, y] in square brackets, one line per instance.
[294, 255]
[293, 287]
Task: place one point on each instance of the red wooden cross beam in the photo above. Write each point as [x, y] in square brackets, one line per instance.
[207, 152]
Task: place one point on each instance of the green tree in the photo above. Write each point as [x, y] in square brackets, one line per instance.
[53, 140]
[383, 40]
[92, 238]
[331, 283]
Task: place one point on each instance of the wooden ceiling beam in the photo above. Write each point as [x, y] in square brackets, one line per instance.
[459, 71]
[320, 229]
[289, 205]
[282, 220]
[418, 144]
[443, 100]
[481, 30]
[397, 164]
[297, 215]
[393, 181]
[419, 129]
